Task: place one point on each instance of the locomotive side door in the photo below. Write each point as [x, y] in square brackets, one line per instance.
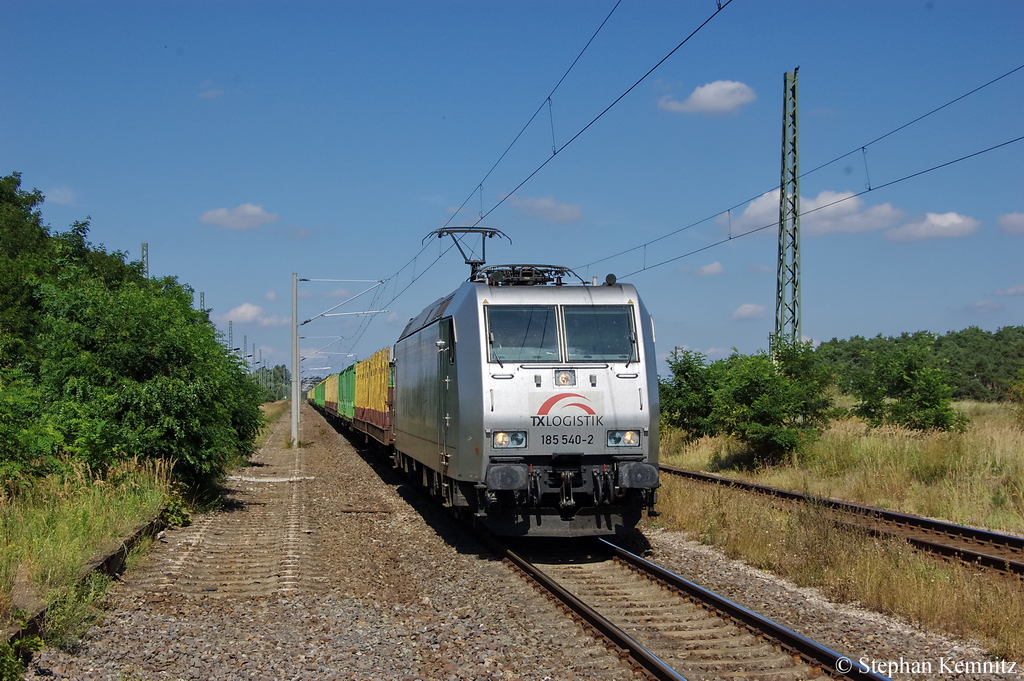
[447, 401]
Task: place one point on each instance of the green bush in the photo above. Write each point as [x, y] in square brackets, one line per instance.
[100, 363]
[686, 398]
[905, 385]
[772, 403]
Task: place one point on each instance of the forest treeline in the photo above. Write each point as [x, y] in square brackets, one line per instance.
[776, 402]
[980, 365]
[276, 382]
[100, 363]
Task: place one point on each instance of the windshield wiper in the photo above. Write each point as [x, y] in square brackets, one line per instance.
[490, 344]
[633, 348]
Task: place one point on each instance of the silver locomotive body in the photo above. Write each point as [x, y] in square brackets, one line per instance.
[535, 407]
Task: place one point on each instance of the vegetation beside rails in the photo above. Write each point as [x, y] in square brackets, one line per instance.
[975, 477]
[52, 526]
[804, 545]
[117, 398]
[272, 413]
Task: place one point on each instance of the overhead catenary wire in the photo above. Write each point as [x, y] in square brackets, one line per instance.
[545, 102]
[357, 335]
[824, 206]
[595, 119]
[862, 148]
[555, 150]
[479, 188]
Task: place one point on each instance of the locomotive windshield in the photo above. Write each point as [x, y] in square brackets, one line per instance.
[529, 333]
[522, 333]
[600, 333]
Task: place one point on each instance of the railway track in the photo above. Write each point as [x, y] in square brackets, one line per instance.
[990, 550]
[669, 628]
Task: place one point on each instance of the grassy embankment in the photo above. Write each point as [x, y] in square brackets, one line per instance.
[52, 527]
[974, 478]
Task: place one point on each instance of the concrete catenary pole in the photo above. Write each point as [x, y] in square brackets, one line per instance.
[295, 359]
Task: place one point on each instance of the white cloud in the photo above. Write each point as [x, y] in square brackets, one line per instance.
[762, 211]
[62, 196]
[247, 216]
[748, 311]
[247, 313]
[338, 293]
[708, 270]
[827, 213]
[208, 90]
[984, 306]
[271, 296]
[844, 212]
[935, 226]
[760, 269]
[1012, 291]
[1012, 223]
[546, 208]
[715, 99]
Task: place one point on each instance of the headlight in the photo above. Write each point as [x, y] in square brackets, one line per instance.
[565, 378]
[623, 438]
[512, 439]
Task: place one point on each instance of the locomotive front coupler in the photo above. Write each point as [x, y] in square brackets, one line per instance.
[567, 503]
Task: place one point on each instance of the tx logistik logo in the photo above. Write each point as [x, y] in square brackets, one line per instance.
[561, 404]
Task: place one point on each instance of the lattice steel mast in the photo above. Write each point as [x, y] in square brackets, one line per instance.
[787, 290]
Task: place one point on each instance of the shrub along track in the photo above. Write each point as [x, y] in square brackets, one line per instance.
[990, 550]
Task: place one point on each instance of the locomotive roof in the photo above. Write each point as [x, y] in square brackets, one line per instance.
[487, 293]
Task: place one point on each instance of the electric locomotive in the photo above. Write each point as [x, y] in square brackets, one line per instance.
[531, 402]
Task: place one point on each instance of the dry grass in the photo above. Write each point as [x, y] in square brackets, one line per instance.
[272, 411]
[53, 526]
[804, 545]
[974, 478]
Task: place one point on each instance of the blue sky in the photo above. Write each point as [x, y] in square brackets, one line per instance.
[244, 141]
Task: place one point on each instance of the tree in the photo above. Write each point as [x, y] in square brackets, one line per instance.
[907, 386]
[980, 365]
[277, 382]
[686, 398]
[776, 404]
[24, 248]
[773, 404]
[99, 362]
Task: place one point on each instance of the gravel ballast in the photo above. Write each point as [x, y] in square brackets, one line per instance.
[326, 565]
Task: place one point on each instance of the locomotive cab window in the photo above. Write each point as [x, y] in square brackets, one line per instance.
[600, 333]
[522, 333]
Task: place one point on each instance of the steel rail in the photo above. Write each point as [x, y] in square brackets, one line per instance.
[640, 656]
[813, 653]
[901, 519]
